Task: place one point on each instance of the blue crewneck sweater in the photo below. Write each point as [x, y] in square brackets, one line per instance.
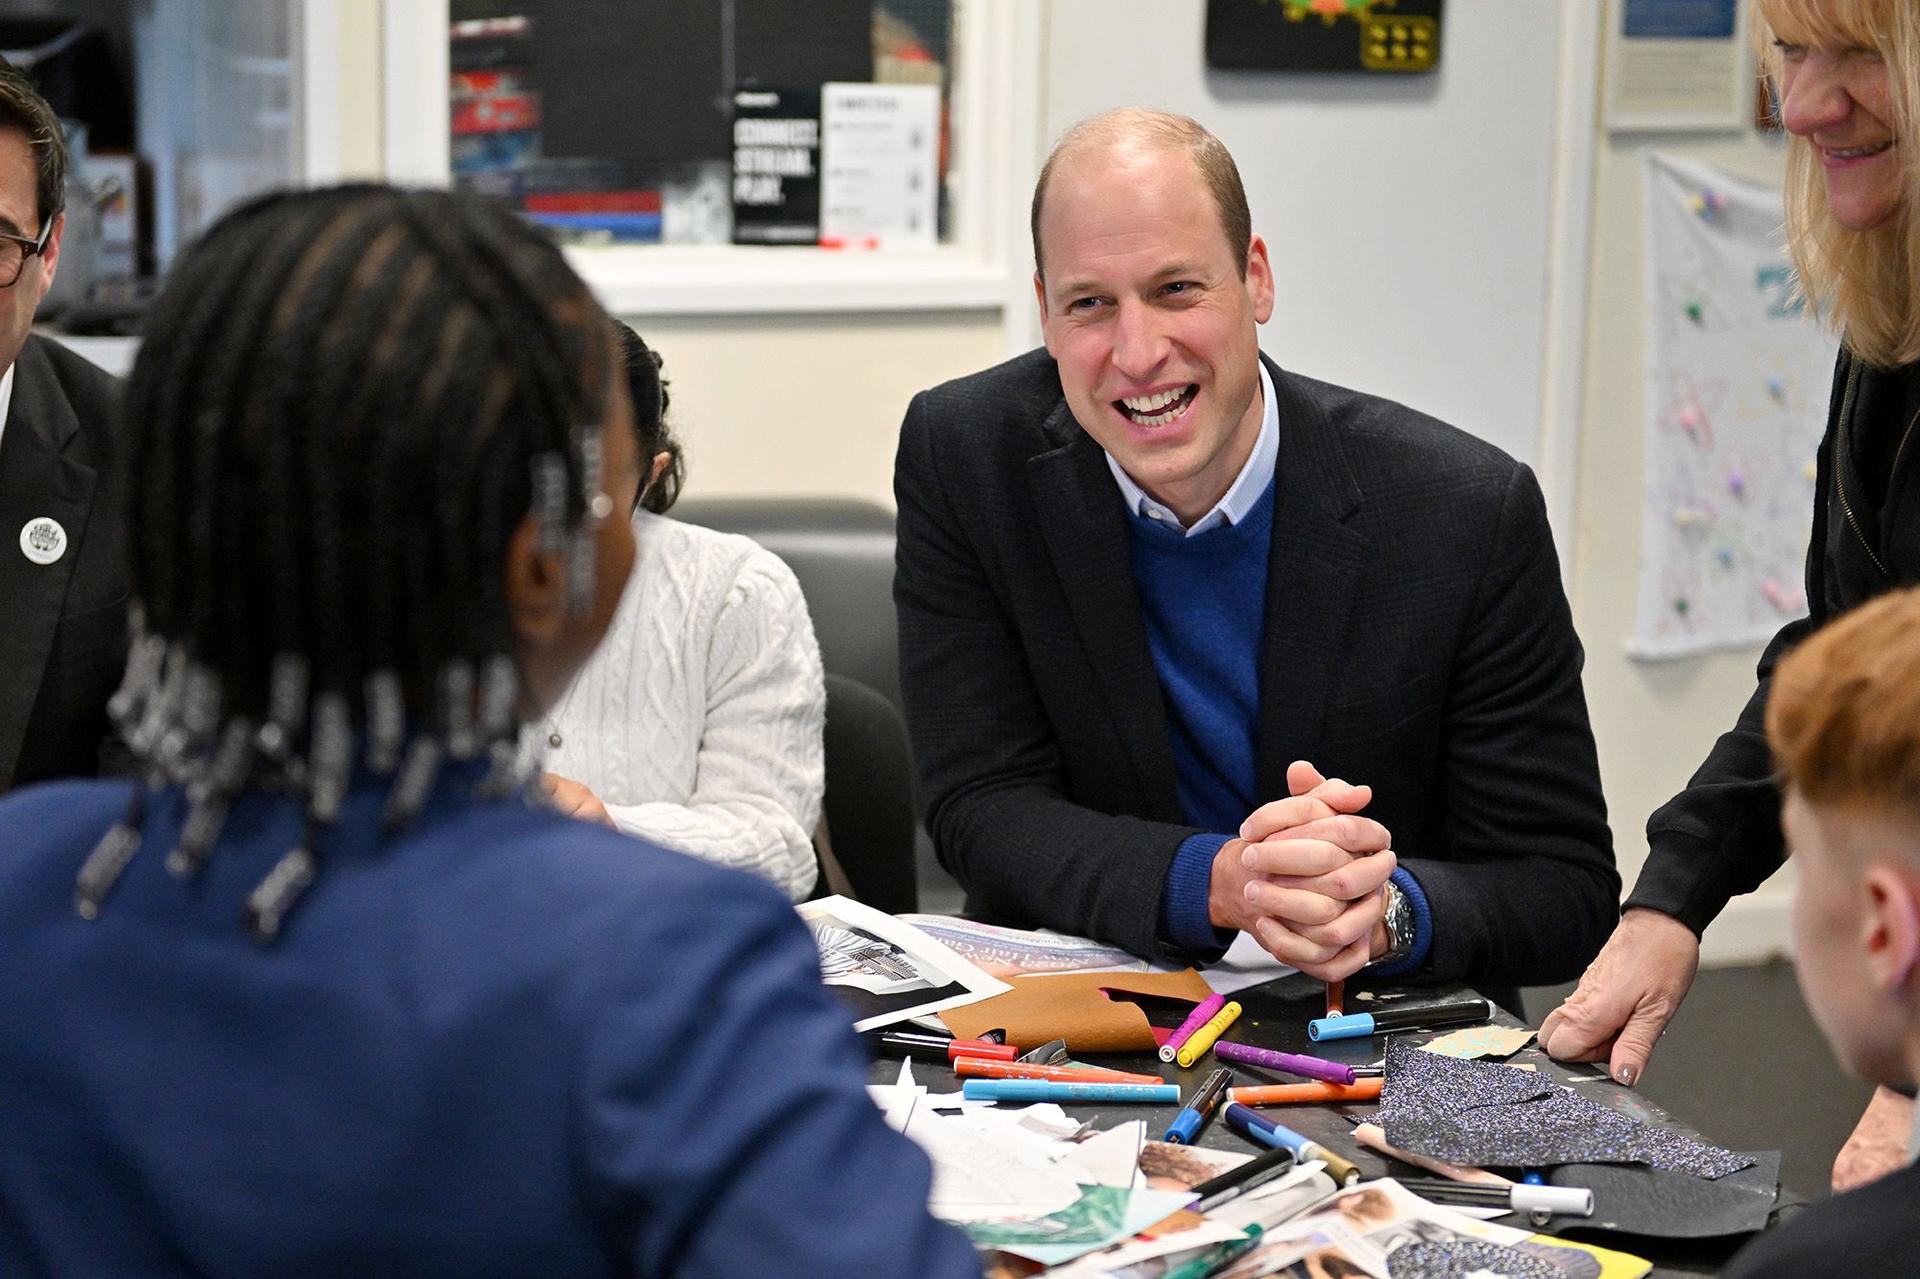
[1203, 600]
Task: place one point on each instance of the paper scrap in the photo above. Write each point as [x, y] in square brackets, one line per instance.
[886, 971]
[1092, 1220]
[1451, 1258]
[1110, 1158]
[977, 1178]
[1139, 1209]
[1093, 1012]
[1480, 1041]
[1171, 1164]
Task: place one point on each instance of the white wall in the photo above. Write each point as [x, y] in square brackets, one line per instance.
[1654, 721]
[1407, 218]
[792, 405]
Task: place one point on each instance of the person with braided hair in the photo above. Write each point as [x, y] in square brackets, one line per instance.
[703, 732]
[327, 990]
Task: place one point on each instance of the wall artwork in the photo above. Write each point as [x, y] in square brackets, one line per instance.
[1736, 398]
[1391, 36]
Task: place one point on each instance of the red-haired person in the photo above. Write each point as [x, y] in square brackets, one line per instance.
[1844, 722]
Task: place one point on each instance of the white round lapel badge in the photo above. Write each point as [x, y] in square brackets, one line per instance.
[42, 540]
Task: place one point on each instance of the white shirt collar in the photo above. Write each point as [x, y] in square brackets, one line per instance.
[6, 397]
[1241, 495]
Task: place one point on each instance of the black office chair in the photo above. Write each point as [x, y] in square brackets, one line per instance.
[869, 819]
[841, 552]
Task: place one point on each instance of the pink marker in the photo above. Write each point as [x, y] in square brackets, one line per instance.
[1332, 1072]
[1202, 1014]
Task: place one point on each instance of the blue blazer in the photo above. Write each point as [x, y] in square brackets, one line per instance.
[502, 1043]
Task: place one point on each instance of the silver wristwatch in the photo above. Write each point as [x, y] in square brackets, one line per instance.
[1398, 917]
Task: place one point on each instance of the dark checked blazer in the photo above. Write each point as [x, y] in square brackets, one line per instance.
[1417, 639]
[63, 633]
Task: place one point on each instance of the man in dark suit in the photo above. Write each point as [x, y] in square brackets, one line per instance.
[63, 572]
[1155, 592]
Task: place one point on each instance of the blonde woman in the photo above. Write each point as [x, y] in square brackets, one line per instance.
[1848, 77]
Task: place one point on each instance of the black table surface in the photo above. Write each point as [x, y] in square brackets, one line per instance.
[1275, 1015]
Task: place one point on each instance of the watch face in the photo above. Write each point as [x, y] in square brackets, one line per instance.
[1399, 921]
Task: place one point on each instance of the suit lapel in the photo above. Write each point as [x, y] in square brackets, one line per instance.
[1313, 569]
[1083, 523]
[36, 479]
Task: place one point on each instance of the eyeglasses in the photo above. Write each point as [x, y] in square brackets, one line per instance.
[16, 249]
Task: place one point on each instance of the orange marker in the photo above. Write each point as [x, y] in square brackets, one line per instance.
[989, 1068]
[1295, 1094]
[958, 1048]
[1336, 995]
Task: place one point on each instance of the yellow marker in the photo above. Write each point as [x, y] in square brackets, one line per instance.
[1198, 1046]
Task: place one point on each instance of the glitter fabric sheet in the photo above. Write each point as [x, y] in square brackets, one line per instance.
[1480, 1114]
[1458, 1259]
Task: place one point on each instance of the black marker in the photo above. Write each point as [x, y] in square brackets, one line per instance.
[1418, 1017]
[1190, 1122]
[1235, 1182]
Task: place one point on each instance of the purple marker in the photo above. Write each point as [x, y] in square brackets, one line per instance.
[1202, 1014]
[1332, 1072]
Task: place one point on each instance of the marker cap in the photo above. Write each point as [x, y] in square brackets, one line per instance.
[1351, 1026]
[1180, 1132]
[1567, 1201]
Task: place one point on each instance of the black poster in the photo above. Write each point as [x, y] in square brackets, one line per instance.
[650, 81]
[1392, 37]
[776, 166]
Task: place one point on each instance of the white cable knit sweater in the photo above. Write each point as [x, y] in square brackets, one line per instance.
[698, 722]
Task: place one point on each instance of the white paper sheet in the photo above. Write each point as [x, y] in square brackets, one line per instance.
[885, 964]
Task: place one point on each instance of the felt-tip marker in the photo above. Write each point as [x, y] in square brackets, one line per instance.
[1263, 1131]
[1203, 1039]
[1300, 1094]
[1052, 1090]
[1202, 1014]
[1333, 1072]
[1234, 1182]
[1194, 1116]
[988, 1068]
[899, 1043]
[1418, 1017]
[1565, 1201]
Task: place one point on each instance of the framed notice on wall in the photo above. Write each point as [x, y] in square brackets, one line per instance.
[1678, 64]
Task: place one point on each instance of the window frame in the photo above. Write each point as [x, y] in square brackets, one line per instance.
[995, 108]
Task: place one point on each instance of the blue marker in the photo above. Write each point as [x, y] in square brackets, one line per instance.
[1422, 1017]
[1263, 1131]
[1055, 1090]
[1188, 1123]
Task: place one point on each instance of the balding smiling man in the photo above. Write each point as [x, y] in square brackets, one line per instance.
[1158, 596]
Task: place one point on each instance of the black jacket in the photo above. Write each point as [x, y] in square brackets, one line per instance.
[1721, 835]
[1417, 639]
[64, 642]
[1869, 1233]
